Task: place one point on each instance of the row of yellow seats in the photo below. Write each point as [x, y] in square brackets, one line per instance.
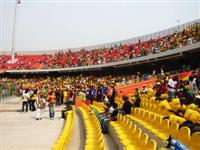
[163, 128]
[184, 136]
[151, 100]
[98, 106]
[144, 97]
[150, 121]
[66, 132]
[162, 110]
[94, 138]
[130, 136]
[155, 108]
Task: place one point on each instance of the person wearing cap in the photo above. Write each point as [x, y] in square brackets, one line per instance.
[40, 106]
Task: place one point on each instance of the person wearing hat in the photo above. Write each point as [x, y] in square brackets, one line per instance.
[40, 106]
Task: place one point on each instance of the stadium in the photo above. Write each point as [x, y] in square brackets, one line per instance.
[138, 93]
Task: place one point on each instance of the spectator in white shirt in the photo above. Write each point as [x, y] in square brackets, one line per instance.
[171, 88]
[25, 99]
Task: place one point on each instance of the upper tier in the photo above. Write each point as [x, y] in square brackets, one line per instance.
[119, 52]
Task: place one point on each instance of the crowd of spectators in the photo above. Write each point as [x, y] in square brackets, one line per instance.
[178, 96]
[66, 59]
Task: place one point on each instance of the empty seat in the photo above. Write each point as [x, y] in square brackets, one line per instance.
[151, 145]
[195, 141]
[184, 135]
[173, 129]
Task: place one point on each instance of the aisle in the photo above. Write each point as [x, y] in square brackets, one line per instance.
[20, 131]
[110, 144]
[77, 140]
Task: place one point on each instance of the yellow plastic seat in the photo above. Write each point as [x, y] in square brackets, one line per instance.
[151, 119]
[165, 125]
[173, 129]
[151, 145]
[143, 140]
[195, 141]
[184, 135]
[146, 118]
[177, 119]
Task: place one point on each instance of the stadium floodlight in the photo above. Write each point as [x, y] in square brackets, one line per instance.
[13, 59]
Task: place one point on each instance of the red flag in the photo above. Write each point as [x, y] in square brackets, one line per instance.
[185, 76]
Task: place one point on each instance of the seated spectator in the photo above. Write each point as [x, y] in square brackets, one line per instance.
[137, 102]
[144, 90]
[109, 114]
[126, 108]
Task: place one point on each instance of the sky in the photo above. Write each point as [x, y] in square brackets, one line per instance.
[62, 24]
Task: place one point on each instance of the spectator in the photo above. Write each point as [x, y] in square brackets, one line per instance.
[51, 100]
[171, 88]
[40, 106]
[25, 98]
[126, 108]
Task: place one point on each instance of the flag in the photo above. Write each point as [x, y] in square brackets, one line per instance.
[185, 76]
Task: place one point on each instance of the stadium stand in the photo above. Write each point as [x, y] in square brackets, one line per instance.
[157, 116]
[62, 59]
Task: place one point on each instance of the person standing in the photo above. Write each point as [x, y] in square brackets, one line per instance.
[91, 94]
[29, 100]
[58, 97]
[40, 106]
[171, 88]
[25, 98]
[33, 100]
[51, 100]
[113, 96]
[100, 93]
[194, 85]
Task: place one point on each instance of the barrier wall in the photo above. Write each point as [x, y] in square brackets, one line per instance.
[130, 89]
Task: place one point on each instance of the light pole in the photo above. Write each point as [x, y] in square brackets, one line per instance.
[13, 60]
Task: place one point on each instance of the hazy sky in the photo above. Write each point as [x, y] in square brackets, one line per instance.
[48, 24]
